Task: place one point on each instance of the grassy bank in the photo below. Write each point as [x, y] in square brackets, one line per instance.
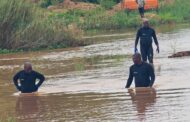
[25, 26]
[98, 18]
[176, 11]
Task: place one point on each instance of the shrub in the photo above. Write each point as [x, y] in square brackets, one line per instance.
[46, 3]
[24, 26]
[107, 4]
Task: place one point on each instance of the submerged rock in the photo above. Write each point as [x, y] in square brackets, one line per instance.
[180, 54]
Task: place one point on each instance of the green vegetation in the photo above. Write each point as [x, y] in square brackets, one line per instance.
[79, 66]
[97, 19]
[176, 12]
[7, 119]
[46, 3]
[101, 18]
[107, 4]
[25, 26]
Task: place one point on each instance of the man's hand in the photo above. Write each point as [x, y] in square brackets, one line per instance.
[19, 88]
[135, 50]
[36, 88]
[158, 49]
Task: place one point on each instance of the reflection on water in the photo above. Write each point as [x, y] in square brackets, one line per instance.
[134, 105]
[28, 106]
[87, 83]
[143, 98]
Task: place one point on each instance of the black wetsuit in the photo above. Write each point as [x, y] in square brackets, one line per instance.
[28, 81]
[146, 34]
[144, 75]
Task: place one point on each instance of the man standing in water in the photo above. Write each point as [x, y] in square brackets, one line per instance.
[146, 34]
[142, 72]
[141, 4]
[26, 80]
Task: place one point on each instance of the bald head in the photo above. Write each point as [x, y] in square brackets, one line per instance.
[145, 22]
[137, 58]
[27, 67]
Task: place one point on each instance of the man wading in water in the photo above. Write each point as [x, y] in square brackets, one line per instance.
[141, 4]
[25, 80]
[142, 72]
[146, 34]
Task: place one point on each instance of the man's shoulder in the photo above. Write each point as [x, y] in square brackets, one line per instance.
[152, 29]
[141, 28]
[36, 73]
[132, 66]
[21, 71]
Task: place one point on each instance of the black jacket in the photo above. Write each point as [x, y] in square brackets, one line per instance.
[146, 34]
[143, 74]
[28, 81]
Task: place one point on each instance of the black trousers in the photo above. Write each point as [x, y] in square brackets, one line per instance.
[141, 11]
[147, 53]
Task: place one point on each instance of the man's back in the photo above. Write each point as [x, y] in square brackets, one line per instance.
[140, 3]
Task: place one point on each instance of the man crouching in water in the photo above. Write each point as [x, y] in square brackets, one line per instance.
[25, 80]
[142, 72]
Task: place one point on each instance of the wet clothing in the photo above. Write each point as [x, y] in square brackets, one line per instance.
[28, 81]
[146, 34]
[141, 10]
[143, 74]
[147, 52]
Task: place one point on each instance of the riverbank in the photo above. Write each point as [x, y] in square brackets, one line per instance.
[100, 18]
[61, 26]
[25, 26]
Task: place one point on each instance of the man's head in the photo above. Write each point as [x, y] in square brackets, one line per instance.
[145, 22]
[137, 58]
[27, 67]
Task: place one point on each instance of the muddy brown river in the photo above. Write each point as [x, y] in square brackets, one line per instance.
[87, 83]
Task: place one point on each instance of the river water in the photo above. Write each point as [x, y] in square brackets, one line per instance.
[87, 83]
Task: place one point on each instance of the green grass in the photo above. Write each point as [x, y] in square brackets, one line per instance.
[24, 26]
[98, 18]
[79, 66]
[178, 12]
[7, 119]
[101, 19]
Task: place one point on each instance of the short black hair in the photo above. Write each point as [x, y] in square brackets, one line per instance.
[137, 55]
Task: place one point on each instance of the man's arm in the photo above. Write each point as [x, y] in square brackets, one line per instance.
[156, 41]
[130, 79]
[137, 39]
[41, 78]
[15, 80]
[152, 75]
